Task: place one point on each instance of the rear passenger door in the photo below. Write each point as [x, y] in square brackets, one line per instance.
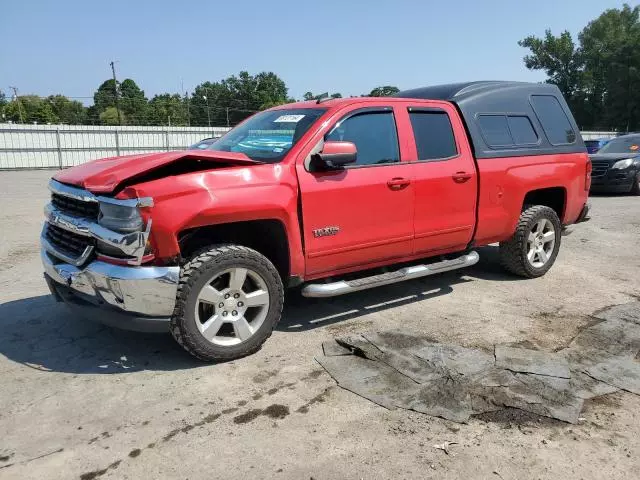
[444, 179]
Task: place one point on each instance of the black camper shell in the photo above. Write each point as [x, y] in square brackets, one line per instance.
[510, 119]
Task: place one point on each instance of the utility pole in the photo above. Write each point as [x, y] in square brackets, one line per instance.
[15, 95]
[227, 109]
[115, 91]
[186, 101]
[208, 113]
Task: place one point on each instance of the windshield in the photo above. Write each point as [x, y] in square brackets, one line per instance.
[622, 145]
[268, 136]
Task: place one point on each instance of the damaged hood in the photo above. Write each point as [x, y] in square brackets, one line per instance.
[104, 175]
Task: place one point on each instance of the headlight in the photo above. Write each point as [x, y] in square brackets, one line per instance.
[120, 218]
[622, 164]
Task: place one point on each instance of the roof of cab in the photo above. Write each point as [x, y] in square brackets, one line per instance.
[458, 92]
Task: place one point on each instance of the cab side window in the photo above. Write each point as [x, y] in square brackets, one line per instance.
[433, 133]
[374, 135]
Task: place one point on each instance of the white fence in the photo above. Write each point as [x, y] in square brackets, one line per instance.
[597, 135]
[60, 146]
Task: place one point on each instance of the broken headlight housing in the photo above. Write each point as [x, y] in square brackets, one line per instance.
[120, 218]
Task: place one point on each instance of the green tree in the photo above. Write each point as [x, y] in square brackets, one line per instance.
[67, 111]
[105, 96]
[611, 51]
[31, 108]
[236, 97]
[110, 116]
[133, 103]
[3, 102]
[385, 91]
[599, 77]
[165, 108]
[270, 90]
[558, 57]
[93, 116]
[212, 98]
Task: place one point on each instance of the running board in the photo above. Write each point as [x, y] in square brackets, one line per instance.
[407, 273]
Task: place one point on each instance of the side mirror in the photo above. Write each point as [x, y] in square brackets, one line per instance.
[334, 156]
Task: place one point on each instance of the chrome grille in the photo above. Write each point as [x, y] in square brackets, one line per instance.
[73, 234]
[76, 207]
[66, 242]
[600, 168]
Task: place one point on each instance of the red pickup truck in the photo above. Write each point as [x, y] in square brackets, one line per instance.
[203, 243]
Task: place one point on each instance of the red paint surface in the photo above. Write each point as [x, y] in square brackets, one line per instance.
[104, 175]
[385, 213]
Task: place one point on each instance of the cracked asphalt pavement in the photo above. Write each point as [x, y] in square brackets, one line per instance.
[79, 400]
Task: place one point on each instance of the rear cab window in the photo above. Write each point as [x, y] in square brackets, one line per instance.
[433, 134]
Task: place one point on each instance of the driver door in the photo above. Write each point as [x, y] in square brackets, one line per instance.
[361, 214]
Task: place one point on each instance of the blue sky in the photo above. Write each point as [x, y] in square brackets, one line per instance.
[347, 46]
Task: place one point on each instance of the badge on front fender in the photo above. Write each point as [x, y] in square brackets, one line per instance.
[325, 232]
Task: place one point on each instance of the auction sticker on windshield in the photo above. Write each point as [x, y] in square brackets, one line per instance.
[289, 118]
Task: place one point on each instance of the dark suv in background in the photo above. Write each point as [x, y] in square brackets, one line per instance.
[593, 146]
[616, 166]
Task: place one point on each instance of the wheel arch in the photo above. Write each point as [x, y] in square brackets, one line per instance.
[552, 197]
[266, 236]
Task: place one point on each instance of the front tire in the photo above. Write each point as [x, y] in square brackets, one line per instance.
[533, 249]
[229, 301]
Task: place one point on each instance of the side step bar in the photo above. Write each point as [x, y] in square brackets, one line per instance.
[407, 273]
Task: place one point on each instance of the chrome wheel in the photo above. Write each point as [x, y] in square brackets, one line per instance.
[232, 306]
[540, 243]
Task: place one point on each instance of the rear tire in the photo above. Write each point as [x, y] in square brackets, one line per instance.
[533, 249]
[229, 301]
[635, 189]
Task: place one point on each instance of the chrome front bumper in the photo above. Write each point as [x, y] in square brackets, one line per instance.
[141, 292]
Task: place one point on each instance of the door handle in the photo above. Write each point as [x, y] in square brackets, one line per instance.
[398, 183]
[461, 177]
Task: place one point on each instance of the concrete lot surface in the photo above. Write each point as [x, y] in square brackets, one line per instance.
[78, 400]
